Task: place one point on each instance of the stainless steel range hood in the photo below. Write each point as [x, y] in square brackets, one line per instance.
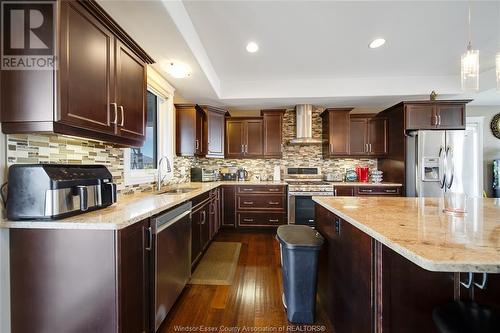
[304, 125]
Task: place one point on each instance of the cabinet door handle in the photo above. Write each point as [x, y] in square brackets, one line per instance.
[273, 220]
[273, 203]
[123, 115]
[439, 119]
[150, 239]
[247, 220]
[370, 147]
[204, 219]
[483, 283]
[335, 191]
[337, 226]
[469, 281]
[242, 149]
[196, 144]
[248, 202]
[115, 110]
[246, 149]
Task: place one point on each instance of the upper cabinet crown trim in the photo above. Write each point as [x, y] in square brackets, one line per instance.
[104, 17]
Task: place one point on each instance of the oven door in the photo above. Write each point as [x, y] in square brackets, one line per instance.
[301, 209]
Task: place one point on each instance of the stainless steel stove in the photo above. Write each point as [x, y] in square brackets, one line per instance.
[303, 184]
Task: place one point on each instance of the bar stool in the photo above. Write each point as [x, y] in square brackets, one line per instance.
[466, 317]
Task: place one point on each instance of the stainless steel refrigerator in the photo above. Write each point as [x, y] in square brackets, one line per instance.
[439, 161]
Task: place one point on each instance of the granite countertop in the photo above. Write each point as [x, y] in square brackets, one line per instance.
[129, 209]
[366, 184]
[417, 229]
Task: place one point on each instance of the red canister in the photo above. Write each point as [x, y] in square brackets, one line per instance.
[363, 173]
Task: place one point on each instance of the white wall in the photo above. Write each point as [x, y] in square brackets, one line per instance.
[491, 148]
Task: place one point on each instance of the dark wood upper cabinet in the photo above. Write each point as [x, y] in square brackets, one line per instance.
[377, 136]
[98, 90]
[244, 137]
[358, 138]
[214, 130]
[199, 130]
[420, 116]
[86, 73]
[346, 134]
[131, 78]
[254, 138]
[235, 137]
[336, 131]
[273, 129]
[368, 136]
[451, 116]
[189, 130]
[445, 114]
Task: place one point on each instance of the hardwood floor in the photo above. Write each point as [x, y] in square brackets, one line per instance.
[252, 301]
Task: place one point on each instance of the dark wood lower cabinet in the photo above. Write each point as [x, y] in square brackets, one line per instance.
[345, 274]
[79, 280]
[228, 206]
[364, 286]
[205, 223]
[409, 293]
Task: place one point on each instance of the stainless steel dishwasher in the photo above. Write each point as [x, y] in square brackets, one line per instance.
[172, 258]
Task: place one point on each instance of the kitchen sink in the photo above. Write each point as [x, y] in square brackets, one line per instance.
[177, 190]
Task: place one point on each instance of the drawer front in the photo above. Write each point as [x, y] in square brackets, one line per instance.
[250, 189]
[261, 202]
[378, 190]
[254, 219]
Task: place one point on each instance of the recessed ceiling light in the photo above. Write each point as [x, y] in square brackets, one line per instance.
[177, 70]
[252, 47]
[376, 43]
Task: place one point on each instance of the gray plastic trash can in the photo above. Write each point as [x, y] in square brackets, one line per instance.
[300, 245]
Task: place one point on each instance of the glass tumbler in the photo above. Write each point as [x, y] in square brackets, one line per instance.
[455, 203]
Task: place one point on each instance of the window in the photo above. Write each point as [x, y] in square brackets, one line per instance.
[146, 157]
[140, 164]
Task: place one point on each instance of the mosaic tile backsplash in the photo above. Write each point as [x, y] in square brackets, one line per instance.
[293, 155]
[53, 148]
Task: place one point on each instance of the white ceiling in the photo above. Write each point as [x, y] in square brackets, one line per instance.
[315, 52]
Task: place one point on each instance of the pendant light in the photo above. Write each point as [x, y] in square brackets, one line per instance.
[470, 65]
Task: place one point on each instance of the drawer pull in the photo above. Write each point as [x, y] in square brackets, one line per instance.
[247, 220]
[273, 203]
[366, 190]
[391, 191]
[274, 190]
[248, 189]
[274, 220]
[248, 202]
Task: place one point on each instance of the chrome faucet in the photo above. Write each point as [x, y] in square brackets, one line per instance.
[161, 178]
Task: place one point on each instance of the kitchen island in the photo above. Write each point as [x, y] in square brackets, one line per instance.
[387, 262]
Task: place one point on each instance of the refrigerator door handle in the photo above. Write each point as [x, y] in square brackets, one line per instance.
[449, 166]
[442, 168]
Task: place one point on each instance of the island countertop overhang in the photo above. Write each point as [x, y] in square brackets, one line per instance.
[418, 230]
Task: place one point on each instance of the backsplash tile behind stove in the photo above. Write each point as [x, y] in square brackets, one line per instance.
[293, 155]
